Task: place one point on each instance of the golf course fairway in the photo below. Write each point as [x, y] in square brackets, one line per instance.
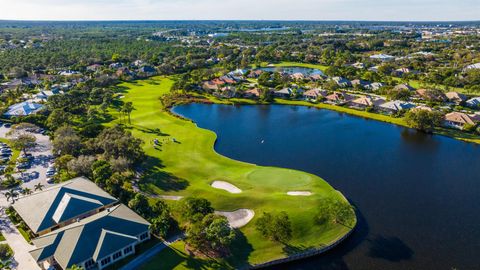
[186, 164]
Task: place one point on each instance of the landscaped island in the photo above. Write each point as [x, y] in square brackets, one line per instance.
[185, 164]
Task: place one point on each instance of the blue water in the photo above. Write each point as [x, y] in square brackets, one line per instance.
[417, 195]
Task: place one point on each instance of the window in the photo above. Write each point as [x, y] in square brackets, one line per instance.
[127, 250]
[105, 261]
[143, 236]
[117, 255]
[89, 264]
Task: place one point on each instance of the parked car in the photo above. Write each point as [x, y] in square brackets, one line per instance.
[51, 171]
[23, 165]
[50, 180]
[34, 175]
[8, 125]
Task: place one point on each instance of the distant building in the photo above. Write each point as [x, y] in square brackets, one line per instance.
[314, 94]
[455, 97]
[473, 102]
[404, 86]
[23, 109]
[382, 57]
[342, 82]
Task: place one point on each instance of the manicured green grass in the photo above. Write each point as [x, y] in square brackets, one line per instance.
[188, 166]
[139, 249]
[24, 233]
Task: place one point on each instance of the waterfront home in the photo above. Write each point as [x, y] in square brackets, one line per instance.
[365, 102]
[395, 106]
[456, 97]
[374, 86]
[252, 93]
[382, 57]
[339, 98]
[404, 86]
[283, 93]
[227, 92]
[23, 109]
[342, 82]
[210, 86]
[473, 102]
[297, 76]
[94, 242]
[316, 77]
[314, 94]
[459, 120]
[62, 205]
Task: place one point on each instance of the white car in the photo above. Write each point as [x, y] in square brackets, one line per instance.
[51, 171]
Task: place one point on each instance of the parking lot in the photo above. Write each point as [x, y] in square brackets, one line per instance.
[35, 170]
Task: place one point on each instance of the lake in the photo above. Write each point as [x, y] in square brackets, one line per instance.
[292, 70]
[417, 195]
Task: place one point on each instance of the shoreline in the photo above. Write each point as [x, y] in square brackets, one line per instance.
[440, 131]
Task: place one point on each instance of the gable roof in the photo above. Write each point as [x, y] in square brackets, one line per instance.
[397, 105]
[459, 117]
[61, 203]
[23, 108]
[93, 237]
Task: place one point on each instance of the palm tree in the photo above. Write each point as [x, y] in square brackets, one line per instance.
[11, 194]
[127, 109]
[38, 186]
[26, 191]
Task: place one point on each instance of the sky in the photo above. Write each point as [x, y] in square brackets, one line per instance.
[368, 10]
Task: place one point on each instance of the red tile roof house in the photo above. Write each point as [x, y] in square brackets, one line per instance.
[459, 120]
[365, 102]
[455, 97]
[339, 98]
[314, 94]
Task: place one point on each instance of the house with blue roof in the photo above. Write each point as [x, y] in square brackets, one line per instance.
[23, 109]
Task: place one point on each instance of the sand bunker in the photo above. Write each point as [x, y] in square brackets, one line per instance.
[239, 218]
[299, 193]
[226, 186]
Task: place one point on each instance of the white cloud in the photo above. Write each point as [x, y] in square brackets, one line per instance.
[243, 9]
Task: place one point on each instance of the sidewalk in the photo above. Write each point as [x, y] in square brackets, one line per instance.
[22, 259]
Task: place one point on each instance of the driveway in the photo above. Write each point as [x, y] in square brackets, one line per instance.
[22, 259]
[42, 159]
